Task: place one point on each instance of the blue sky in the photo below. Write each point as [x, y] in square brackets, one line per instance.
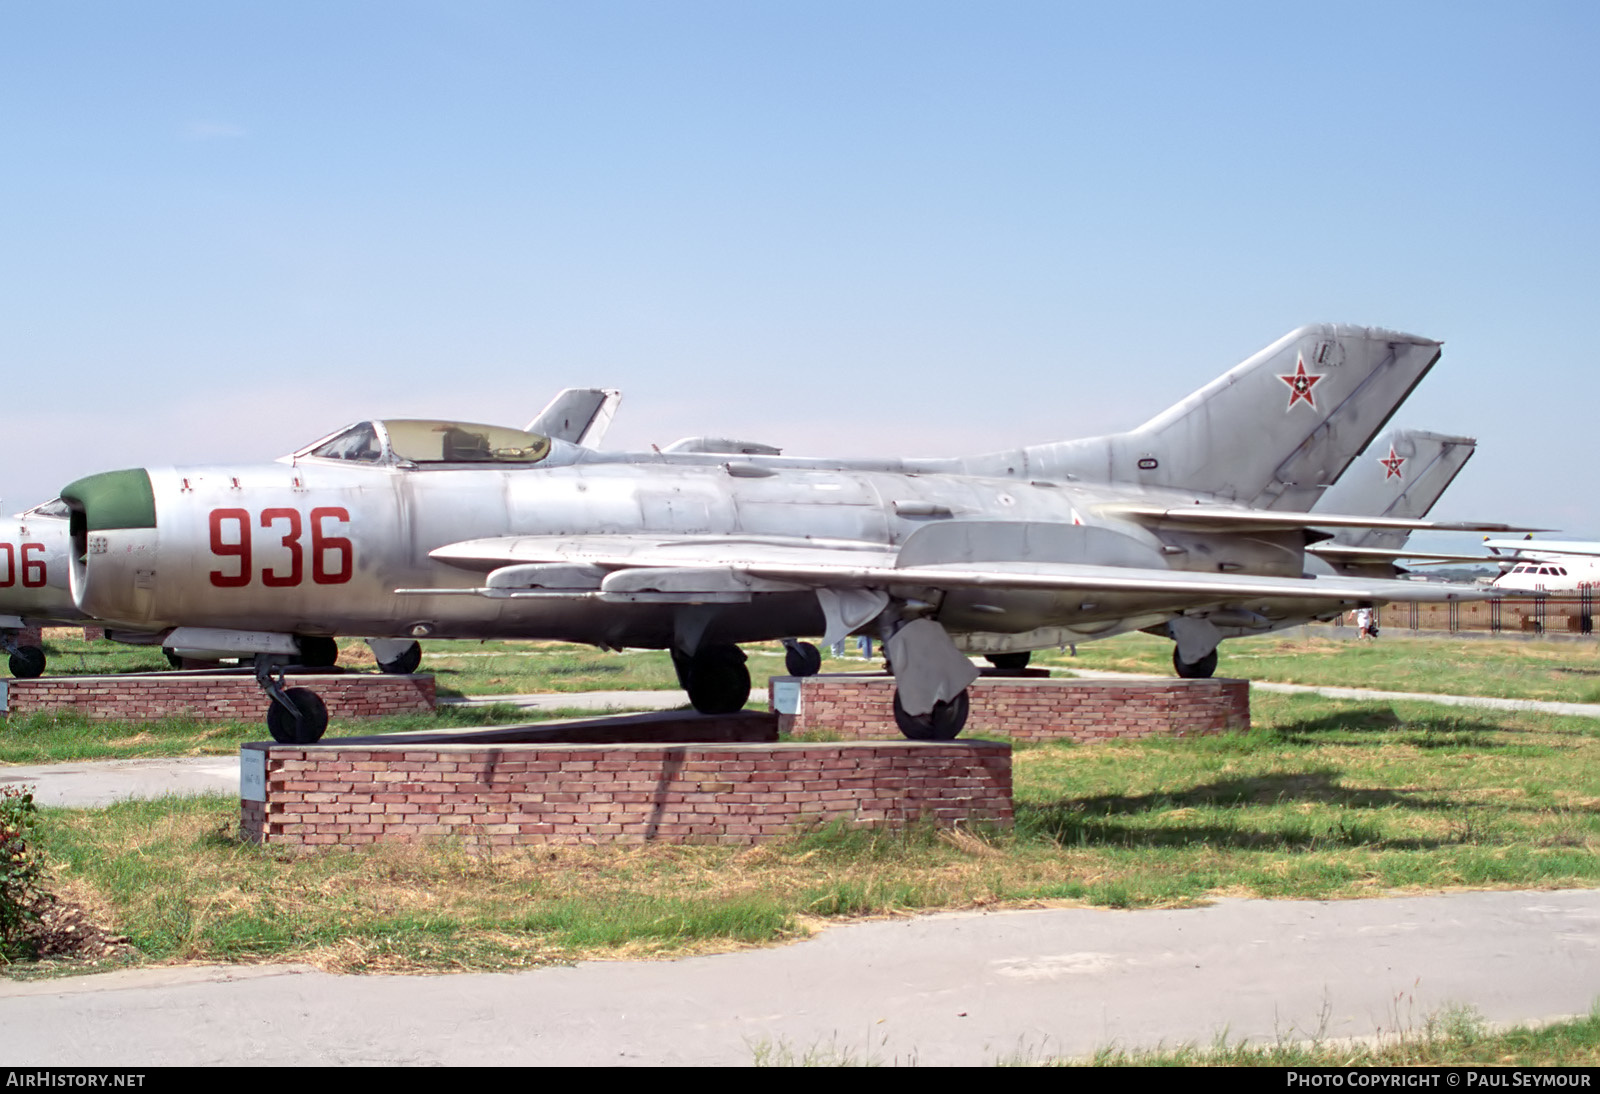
[924, 228]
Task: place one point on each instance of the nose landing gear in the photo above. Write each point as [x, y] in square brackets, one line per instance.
[297, 716]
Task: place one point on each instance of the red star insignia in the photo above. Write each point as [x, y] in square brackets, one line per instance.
[1301, 383]
[1392, 465]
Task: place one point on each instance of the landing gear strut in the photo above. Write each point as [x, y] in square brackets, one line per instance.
[801, 658]
[1196, 670]
[716, 678]
[297, 716]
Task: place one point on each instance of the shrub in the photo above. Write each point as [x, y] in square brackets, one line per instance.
[20, 870]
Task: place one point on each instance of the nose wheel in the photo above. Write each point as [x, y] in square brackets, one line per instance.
[297, 716]
[26, 662]
[801, 658]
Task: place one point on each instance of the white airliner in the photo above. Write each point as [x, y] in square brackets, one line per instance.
[1546, 566]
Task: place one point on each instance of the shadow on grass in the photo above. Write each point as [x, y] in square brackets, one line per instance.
[1091, 821]
[1428, 731]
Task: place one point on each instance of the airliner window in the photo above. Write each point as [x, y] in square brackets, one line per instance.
[359, 442]
[463, 442]
[53, 508]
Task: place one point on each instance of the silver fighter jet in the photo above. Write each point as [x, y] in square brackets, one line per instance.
[410, 529]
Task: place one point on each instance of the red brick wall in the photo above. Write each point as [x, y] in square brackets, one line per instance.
[146, 696]
[572, 793]
[1034, 710]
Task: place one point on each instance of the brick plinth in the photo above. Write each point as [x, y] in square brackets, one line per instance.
[1028, 709]
[147, 696]
[484, 790]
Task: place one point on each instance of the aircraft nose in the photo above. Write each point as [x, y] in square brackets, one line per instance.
[111, 500]
[114, 505]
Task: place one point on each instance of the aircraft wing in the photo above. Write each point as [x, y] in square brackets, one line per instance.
[692, 569]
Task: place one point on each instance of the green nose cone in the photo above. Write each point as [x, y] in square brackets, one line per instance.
[114, 499]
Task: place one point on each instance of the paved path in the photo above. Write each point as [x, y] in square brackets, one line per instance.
[1578, 710]
[944, 989]
[90, 784]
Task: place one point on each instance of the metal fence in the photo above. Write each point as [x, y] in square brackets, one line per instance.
[1537, 614]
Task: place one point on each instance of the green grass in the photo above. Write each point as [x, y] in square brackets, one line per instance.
[66, 737]
[1557, 671]
[1322, 799]
[1455, 1038]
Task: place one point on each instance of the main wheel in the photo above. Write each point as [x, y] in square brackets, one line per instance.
[802, 659]
[313, 720]
[1009, 662]
[942, 723]
[406, 663]
[27, 662]
[1198, 670]
[318, 651]
[718, 680]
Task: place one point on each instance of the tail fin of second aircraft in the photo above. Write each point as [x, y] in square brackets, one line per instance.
[1402, 475]
[1272, 432]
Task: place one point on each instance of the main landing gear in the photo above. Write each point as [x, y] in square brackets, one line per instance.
[942, 723]
[716, 678]
[1009, 662]
[405, 663]
[1194, 670]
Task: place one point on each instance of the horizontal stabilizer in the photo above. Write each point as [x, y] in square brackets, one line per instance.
[1536, 548]
[1344, 552]
[1222, 518]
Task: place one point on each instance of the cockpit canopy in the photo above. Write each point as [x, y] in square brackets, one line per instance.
[423, 443]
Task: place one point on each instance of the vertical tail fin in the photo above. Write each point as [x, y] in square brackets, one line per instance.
[1272, 432]
[1402, 475]
[579, 415]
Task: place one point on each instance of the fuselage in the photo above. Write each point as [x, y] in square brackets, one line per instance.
[34, 553]
[315, 545]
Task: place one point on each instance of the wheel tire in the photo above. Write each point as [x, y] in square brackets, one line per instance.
[318, 651]
[802, 659]
[27, 662]
[719, 680]
[1009, 662]
[172, 657]
[313, 718]
[1199, 670]
[943, 723]
[406, 663]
